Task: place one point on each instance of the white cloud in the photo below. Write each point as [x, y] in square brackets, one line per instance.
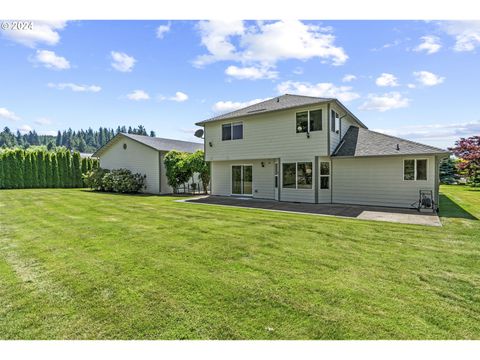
[138, 95]
[267, 42]
[466, 33]
[436, 134]
[9, 115]
[430, 44]
[227, 106]
[43, 121]
[25, 129]
[349, 78]
[329, 90]
[122, 62]
[251, 73]
[427, 78]
[179, 97]
[298, 70]
[411, 86]
[386, 79]
[384, 102]
[42, 32]
[75, 87]
[162, 30]
[50, 60]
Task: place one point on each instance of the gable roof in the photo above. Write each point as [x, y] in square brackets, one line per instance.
[287, 101]
[363, 142]
[156, 143]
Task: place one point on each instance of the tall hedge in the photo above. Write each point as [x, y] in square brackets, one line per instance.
[36, 167]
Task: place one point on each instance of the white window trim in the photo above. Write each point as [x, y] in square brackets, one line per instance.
[414, 169]
[296, 174]
[231, 130]
[320, 175]
[308, 121]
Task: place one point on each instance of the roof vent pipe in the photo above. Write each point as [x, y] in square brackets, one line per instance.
[398, 147]
[278, 99]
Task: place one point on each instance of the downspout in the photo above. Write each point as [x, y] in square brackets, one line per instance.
[279, 178]
[317, 177]
[328, 129]
[159, 172]
[331, 180]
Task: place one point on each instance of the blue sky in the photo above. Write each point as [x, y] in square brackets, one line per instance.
[413, 79]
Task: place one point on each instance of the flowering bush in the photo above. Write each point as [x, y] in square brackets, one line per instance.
[119, 180]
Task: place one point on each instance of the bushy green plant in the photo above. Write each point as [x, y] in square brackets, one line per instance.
[118, 180]
[94, 178]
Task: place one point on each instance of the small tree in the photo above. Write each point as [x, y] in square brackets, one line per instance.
[177, 167]
[468, 150]
[199, 165]
[448, 171]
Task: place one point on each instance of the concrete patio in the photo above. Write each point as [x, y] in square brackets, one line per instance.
[376, 213]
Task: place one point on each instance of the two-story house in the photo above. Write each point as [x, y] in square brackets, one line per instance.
[309, 149]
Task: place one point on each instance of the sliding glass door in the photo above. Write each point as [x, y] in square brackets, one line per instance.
[242, 180]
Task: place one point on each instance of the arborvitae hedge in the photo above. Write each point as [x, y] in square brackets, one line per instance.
[37, 167]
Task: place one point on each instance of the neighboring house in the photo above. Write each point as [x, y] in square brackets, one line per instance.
[143, 154]
[309, 149]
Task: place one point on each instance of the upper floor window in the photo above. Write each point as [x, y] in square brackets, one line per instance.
[232, 131]
[335, 122]
[415, 169]
[308, 121]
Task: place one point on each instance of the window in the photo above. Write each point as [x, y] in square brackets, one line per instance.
[226, 132]
[289, 175]
[316, 120]
[276, 175]
[232, 131]
[297, 175]
[415, 169]
[335, 122]
[308, 121]
[302, 122]
[324, 175]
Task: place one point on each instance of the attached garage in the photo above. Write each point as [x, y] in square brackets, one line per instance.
[144, 155]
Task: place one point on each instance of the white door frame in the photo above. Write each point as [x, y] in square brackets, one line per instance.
[324, 195]
[231, 183]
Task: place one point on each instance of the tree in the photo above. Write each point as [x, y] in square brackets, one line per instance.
[201, 167]
[76, 170]
[54, 165]
[27, 170]
[152, 134]
[448, 171]
[468, 150]
[178, 171]
[42, 174]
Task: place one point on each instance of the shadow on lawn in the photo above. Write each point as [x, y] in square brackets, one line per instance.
[118, 194]
[450, 209]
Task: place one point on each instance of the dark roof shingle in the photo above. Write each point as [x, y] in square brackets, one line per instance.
[277, 103]
[364, 142]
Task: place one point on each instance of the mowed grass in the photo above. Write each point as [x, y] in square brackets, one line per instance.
[75, 264]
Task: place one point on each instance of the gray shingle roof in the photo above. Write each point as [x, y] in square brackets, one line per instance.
[160, 144]
[364, 142]
[277, 103]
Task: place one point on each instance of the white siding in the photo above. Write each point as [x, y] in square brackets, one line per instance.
[137, 158]
[165, 188]
[344, 125]
[263, 177]
[270, 135]
[378, 181]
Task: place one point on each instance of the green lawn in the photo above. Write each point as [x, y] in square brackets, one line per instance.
[75, 264]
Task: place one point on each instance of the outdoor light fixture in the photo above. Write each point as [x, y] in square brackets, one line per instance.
[263, 164]
[210, 144]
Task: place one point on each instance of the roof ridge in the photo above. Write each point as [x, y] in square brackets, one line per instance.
[160, 138]
[410, 141]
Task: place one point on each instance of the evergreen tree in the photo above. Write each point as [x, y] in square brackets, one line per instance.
[27, 171]
[152, 134]
[68, 169]
[2, 174]
[76, 170]
[34, 175]
[54, 164]
[42, 176]
[58, 141]
[48, 170]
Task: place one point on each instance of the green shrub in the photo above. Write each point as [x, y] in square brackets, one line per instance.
[118, 180]
[94, 179]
